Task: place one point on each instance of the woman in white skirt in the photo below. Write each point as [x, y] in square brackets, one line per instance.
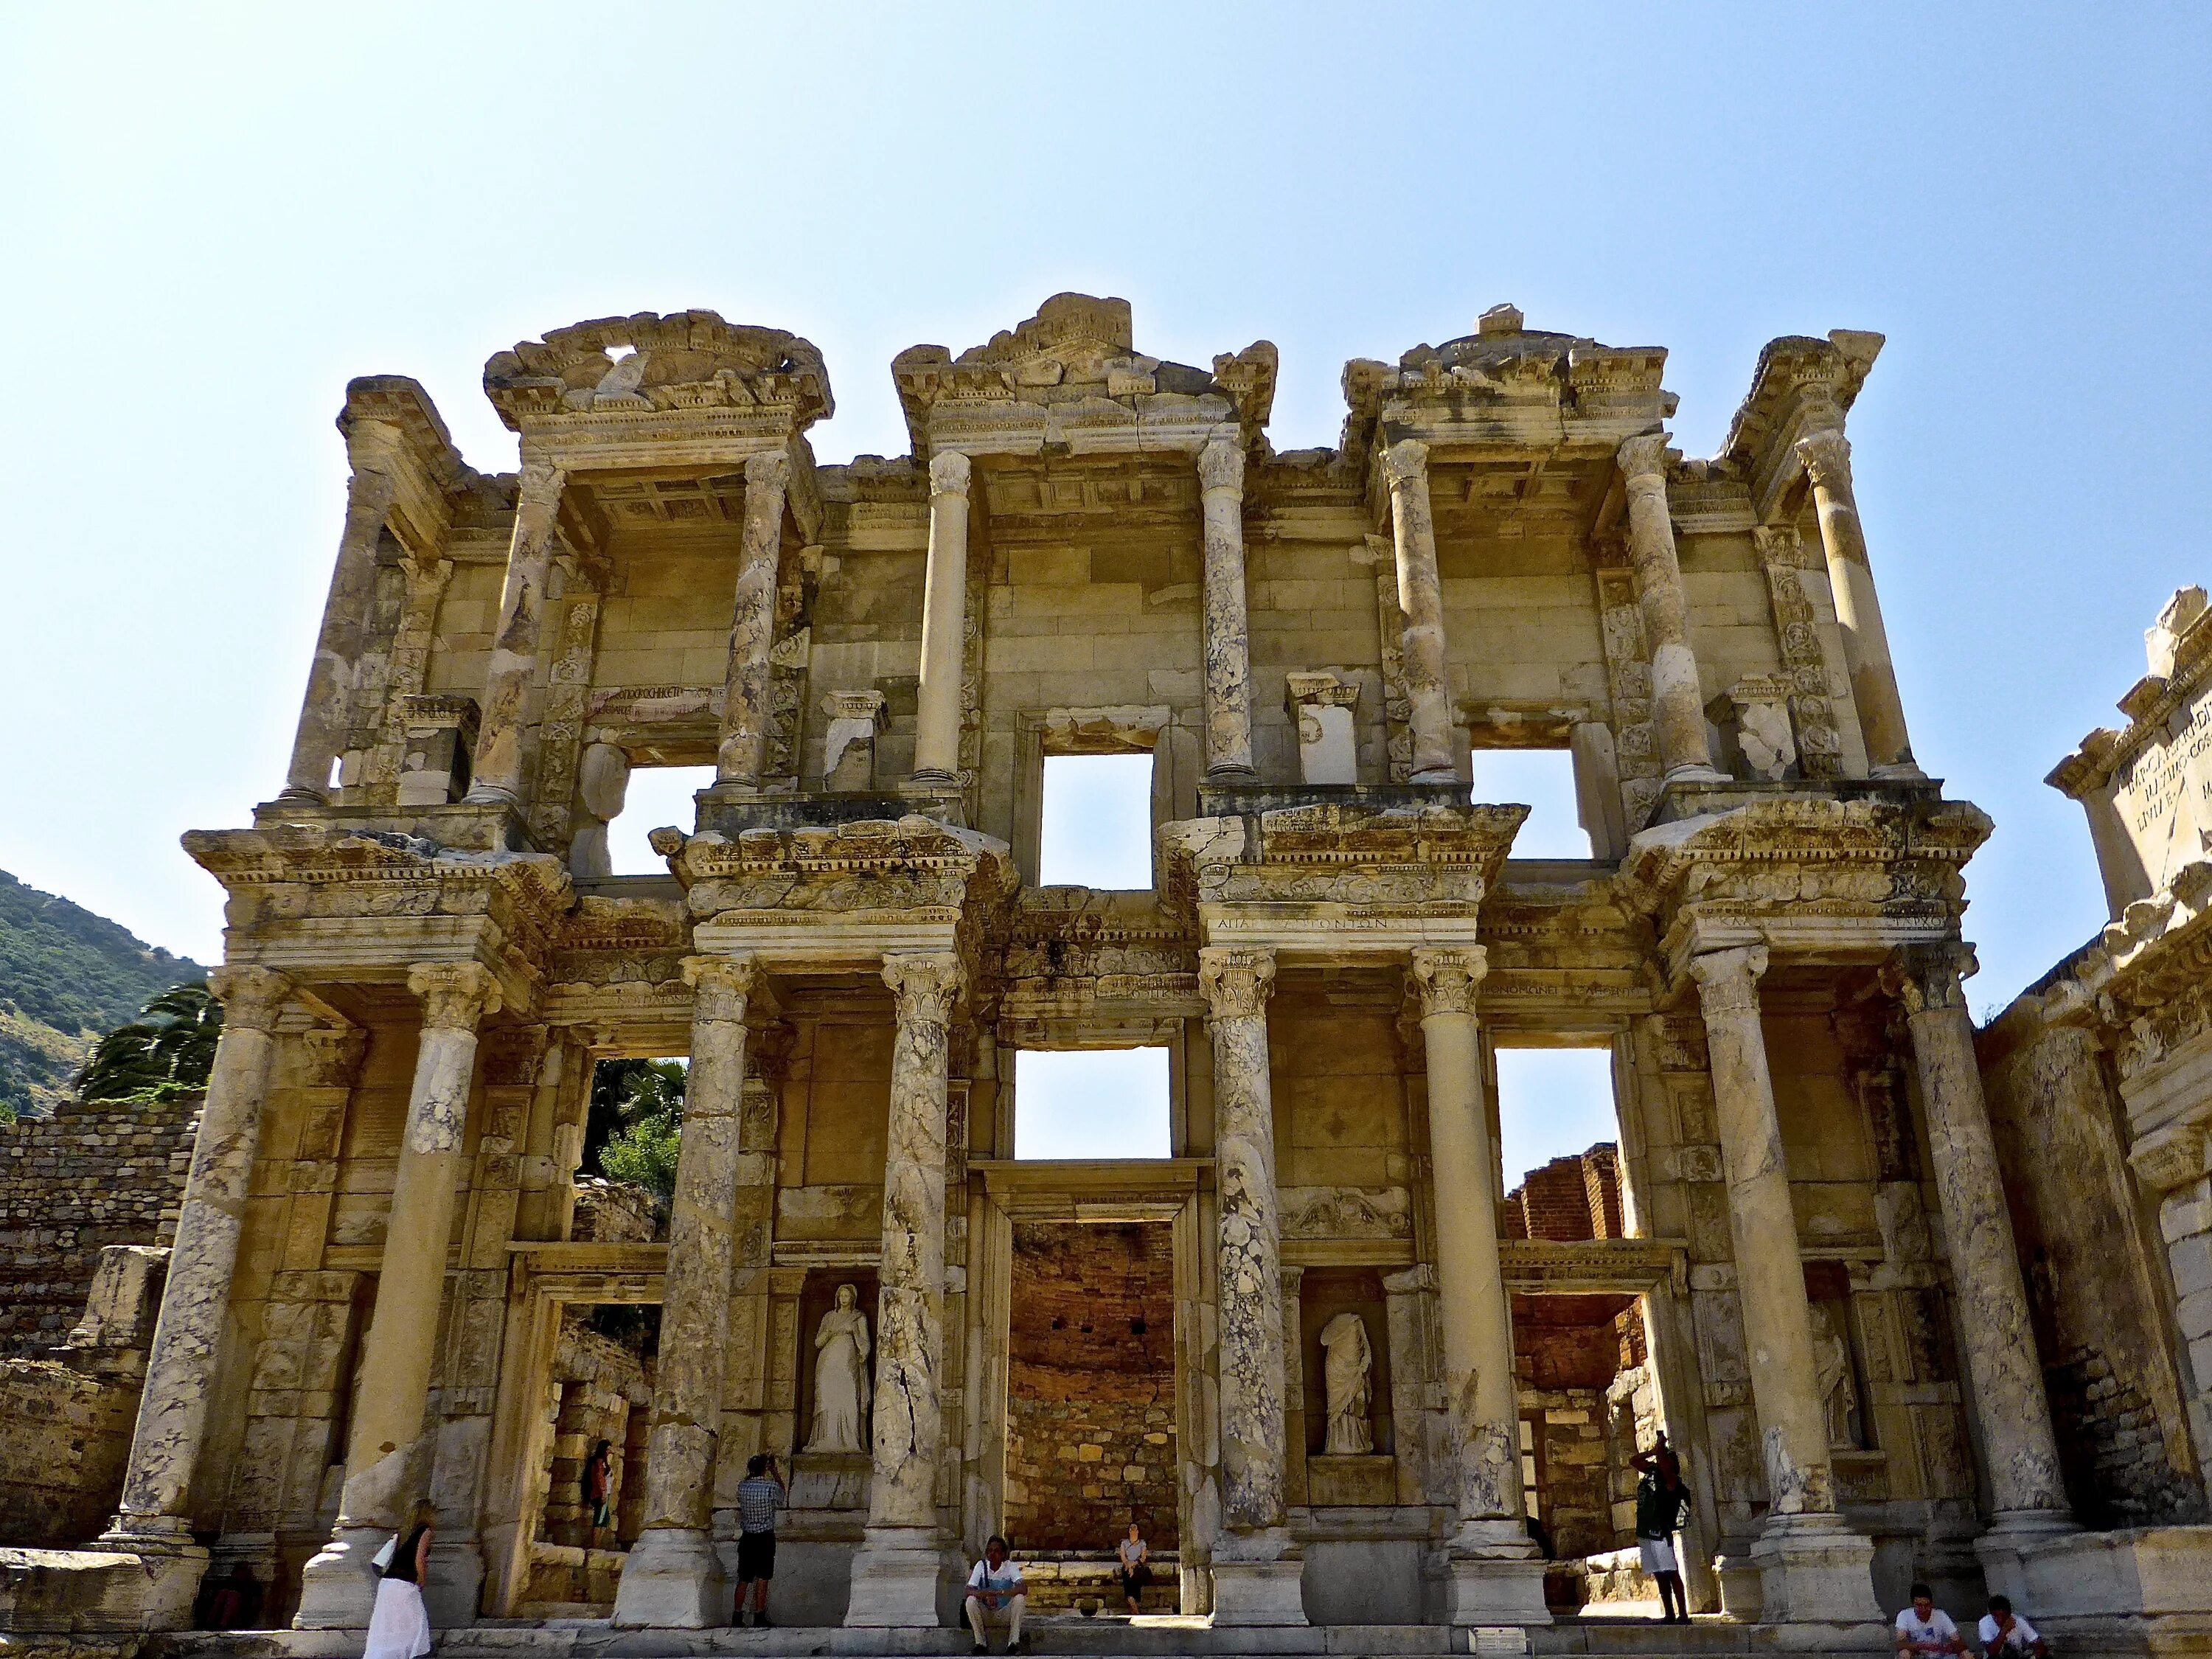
[400, 1627]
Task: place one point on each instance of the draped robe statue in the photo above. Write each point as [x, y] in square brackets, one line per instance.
[840, 1378]
[1347, 1362]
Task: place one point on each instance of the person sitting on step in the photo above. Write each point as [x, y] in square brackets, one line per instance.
[996, 1589]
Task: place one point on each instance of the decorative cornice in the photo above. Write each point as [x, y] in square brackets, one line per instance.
[686, 362]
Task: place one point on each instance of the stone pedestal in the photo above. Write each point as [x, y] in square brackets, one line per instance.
[154, 1521]
[673, 1577]
[388, 1456]
[1420, 599]
[1677, 702]
[1827, 457]
[498, 772]
[1812, 1569]
[895, 1575]
[742, 750]
[1228, 647]
[944, 625]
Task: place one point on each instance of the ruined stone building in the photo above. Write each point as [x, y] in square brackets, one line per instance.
[1312, 1348]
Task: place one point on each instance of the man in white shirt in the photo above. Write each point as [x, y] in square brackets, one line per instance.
[995, 1589]
[2004, 1633]
[1925, 1628]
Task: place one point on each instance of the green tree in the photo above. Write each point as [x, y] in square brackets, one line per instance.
[168, 1049]
[637, 1113]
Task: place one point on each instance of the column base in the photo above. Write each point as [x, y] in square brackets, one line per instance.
[2013, 1536]
[173, 1563]
[1903, 771]
[1257, 1579]
[454, 1594]
[337, 1589]
[1496, 1591]
[896, 1573]
[673, 1580]
[1812, 1569]
[1694, 772]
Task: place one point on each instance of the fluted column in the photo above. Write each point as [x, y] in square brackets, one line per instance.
[944, 624]
[1496, 1577]
[674, 1577]
[155, 1519]
[326, 713]
[388, 1453]
[498, 772]
[1827, 457]
[1228, 643]
[742, 754]
[2028, 1491]
[895, 1572]
[1678, 700]
[1810, 1566]
[1420, 599]
[1253, 1582]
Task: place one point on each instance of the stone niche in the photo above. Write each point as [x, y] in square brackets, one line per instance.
[826, 1479]
[1338, 1479]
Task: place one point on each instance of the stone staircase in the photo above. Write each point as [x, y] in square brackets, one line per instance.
[1088, 1583]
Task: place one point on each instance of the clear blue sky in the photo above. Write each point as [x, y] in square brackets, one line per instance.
[215, 216]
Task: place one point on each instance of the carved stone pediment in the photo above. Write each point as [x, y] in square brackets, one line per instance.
[690, 360]
[1347, 1213]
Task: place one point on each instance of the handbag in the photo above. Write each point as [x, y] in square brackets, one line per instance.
[382, 1559]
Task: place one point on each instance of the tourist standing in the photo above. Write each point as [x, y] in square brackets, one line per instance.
[598, 1480]
[1662, 1499]
[1135, 1574]
[399, 1625]
[758, 1495]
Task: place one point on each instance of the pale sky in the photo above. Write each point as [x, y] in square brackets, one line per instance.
[217, 216]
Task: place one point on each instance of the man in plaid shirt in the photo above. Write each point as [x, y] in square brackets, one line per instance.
[758, 1494]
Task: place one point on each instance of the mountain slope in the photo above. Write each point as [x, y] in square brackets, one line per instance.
[66, 977]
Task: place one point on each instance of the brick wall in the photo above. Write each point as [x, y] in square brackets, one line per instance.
[1090, 1440]
[92, 1175]
[1570, 1199]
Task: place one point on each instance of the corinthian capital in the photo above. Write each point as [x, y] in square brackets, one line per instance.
[252, 998]
[768, 469]
[949, 473]
[455, 995]
[539, 488]
[1828, 457]
[1449, 981]
[722, 986]
[1644, 460]
[1221, 465]
[1236, 980]
[1406, 462]
[1926, 976]
[926, 983]
[1727, 981]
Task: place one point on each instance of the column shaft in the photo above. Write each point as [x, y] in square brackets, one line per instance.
[1827, 457]
[674, 1579]
[388, 1453]
[1678, 701]
[742, 754]
[1228, 643]
[498, 772]
[2009, 1403]
[1420, 599]
[1778, 1319]
[1480, 1392]
[326, 713]
[944, 624]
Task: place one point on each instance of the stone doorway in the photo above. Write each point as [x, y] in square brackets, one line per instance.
[1091, 1421]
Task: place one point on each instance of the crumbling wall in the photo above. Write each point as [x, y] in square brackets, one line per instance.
[2114, 1387]
[93, 1174]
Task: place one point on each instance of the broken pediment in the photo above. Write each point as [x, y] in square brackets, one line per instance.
[649, 363]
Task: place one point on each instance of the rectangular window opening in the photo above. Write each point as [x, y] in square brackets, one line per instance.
[1543, 780]
[632, 1133]
[1559, 1142]
[659, 796]
[1091, 1103]
[1096, 827]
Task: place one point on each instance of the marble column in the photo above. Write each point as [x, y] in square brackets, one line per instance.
[1678, 700]
[1255, 1574]
[674, 1578]
[2027, 1489]
[742, 754]
[1809, 1564]
[154, 1521]
[1827, 457]
[1228, 643]
[497, 775]
[388, 1453]
[896, 1572]
[1497, 1575]
[1421, 600]
[944, 625]
[326, 714]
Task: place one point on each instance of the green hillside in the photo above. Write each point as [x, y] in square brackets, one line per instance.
[66, 977]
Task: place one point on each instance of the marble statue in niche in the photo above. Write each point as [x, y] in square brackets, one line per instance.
[840, 1378]
[1831, 1367]
[1347, 1368]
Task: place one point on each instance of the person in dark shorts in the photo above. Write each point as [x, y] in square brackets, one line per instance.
[759, 1496]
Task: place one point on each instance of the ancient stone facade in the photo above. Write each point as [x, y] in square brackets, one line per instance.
[1092, 551]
